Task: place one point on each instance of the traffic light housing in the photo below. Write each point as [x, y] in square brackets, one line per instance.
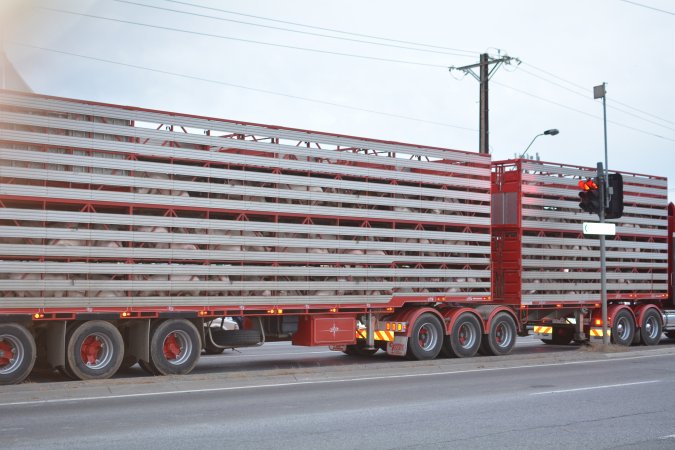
[614, 209]
[591, 200]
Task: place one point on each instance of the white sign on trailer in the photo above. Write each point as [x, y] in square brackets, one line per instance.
[607, 229]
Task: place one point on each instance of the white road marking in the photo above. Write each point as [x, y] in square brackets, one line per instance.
[590, 388]
[670, 436]
[304, 383]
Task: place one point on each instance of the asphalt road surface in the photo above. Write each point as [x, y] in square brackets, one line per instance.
[553, 397]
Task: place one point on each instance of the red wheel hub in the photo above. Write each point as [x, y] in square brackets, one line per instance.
[90, 350]
[172, 349]
[6, 353]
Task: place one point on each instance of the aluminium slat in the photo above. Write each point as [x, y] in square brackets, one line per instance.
[171, 201]
[70, 217]
[628, 288]
[168, 301]
[192, 238]
[573, 205]
[226, 174]
[587, 173]
[201, 301]
[652, 205]
[216, 188]
[215, 141]
[179, 254]
[610, 243]
[578, 216]
[551, 184]
[204, 286]
[628, 276]
[577, 228]
[577, 264]
[235, 158]
[134, 114]
[52, 267]
[591, 253]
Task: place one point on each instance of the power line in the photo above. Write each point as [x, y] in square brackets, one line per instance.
[585, 89]
[361, 41]
[333, 30]
[239, 86]
[588, 97]
[648, 7]
[249, 41]
[583, 112]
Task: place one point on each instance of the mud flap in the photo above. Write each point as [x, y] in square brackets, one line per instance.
[399, 347]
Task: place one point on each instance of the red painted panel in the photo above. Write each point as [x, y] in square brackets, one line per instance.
[325, 330]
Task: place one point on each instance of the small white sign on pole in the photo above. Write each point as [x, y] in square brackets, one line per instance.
[607, 229]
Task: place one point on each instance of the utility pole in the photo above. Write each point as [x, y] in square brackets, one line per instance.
[484, 76]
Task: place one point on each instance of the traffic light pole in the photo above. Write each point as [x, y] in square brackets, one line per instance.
[603, 265]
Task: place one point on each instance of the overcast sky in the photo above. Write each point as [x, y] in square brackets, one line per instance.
[565, 47]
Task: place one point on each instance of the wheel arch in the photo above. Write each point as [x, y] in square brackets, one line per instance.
[641, 310]
[410, 315]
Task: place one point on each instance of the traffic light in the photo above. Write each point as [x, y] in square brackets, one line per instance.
[591, 200]
[614, 209]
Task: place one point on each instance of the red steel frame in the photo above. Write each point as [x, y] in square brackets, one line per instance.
[396, 302]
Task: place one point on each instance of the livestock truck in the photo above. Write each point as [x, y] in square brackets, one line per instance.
[130, 235]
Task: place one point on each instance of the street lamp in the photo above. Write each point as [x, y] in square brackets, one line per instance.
[551, 132]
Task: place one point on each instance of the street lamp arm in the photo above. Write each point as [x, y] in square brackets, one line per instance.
[531, 142]
[551, 132]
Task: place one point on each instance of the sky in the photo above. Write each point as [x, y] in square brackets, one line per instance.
[378, 69]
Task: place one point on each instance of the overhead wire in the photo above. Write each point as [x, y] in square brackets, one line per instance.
[341, 54]
[333, 30]
[239, 86]
[583, 112]
[585, 89]
[360, 41]
[588, 97]
[249, 41]
[642, 5]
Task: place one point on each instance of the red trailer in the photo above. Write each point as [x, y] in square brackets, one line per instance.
[132, 235]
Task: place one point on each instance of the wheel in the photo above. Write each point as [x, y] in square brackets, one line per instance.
[235, 338]
[426, 339]
[560, 336]
[175, 347]
[94, 350]
[17, 353]
[650, 333]
[501, 337]
[623, 328]
[359, 349]
[464, 338]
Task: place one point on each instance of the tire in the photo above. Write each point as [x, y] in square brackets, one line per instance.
[426, 339]
[236, 338]
[623, 329]
[464, 338]
[650, 332]
[94, 350]
[175, 347]
[501, 337]
[17, 353]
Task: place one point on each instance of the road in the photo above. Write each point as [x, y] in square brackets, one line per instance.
[562, 397]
